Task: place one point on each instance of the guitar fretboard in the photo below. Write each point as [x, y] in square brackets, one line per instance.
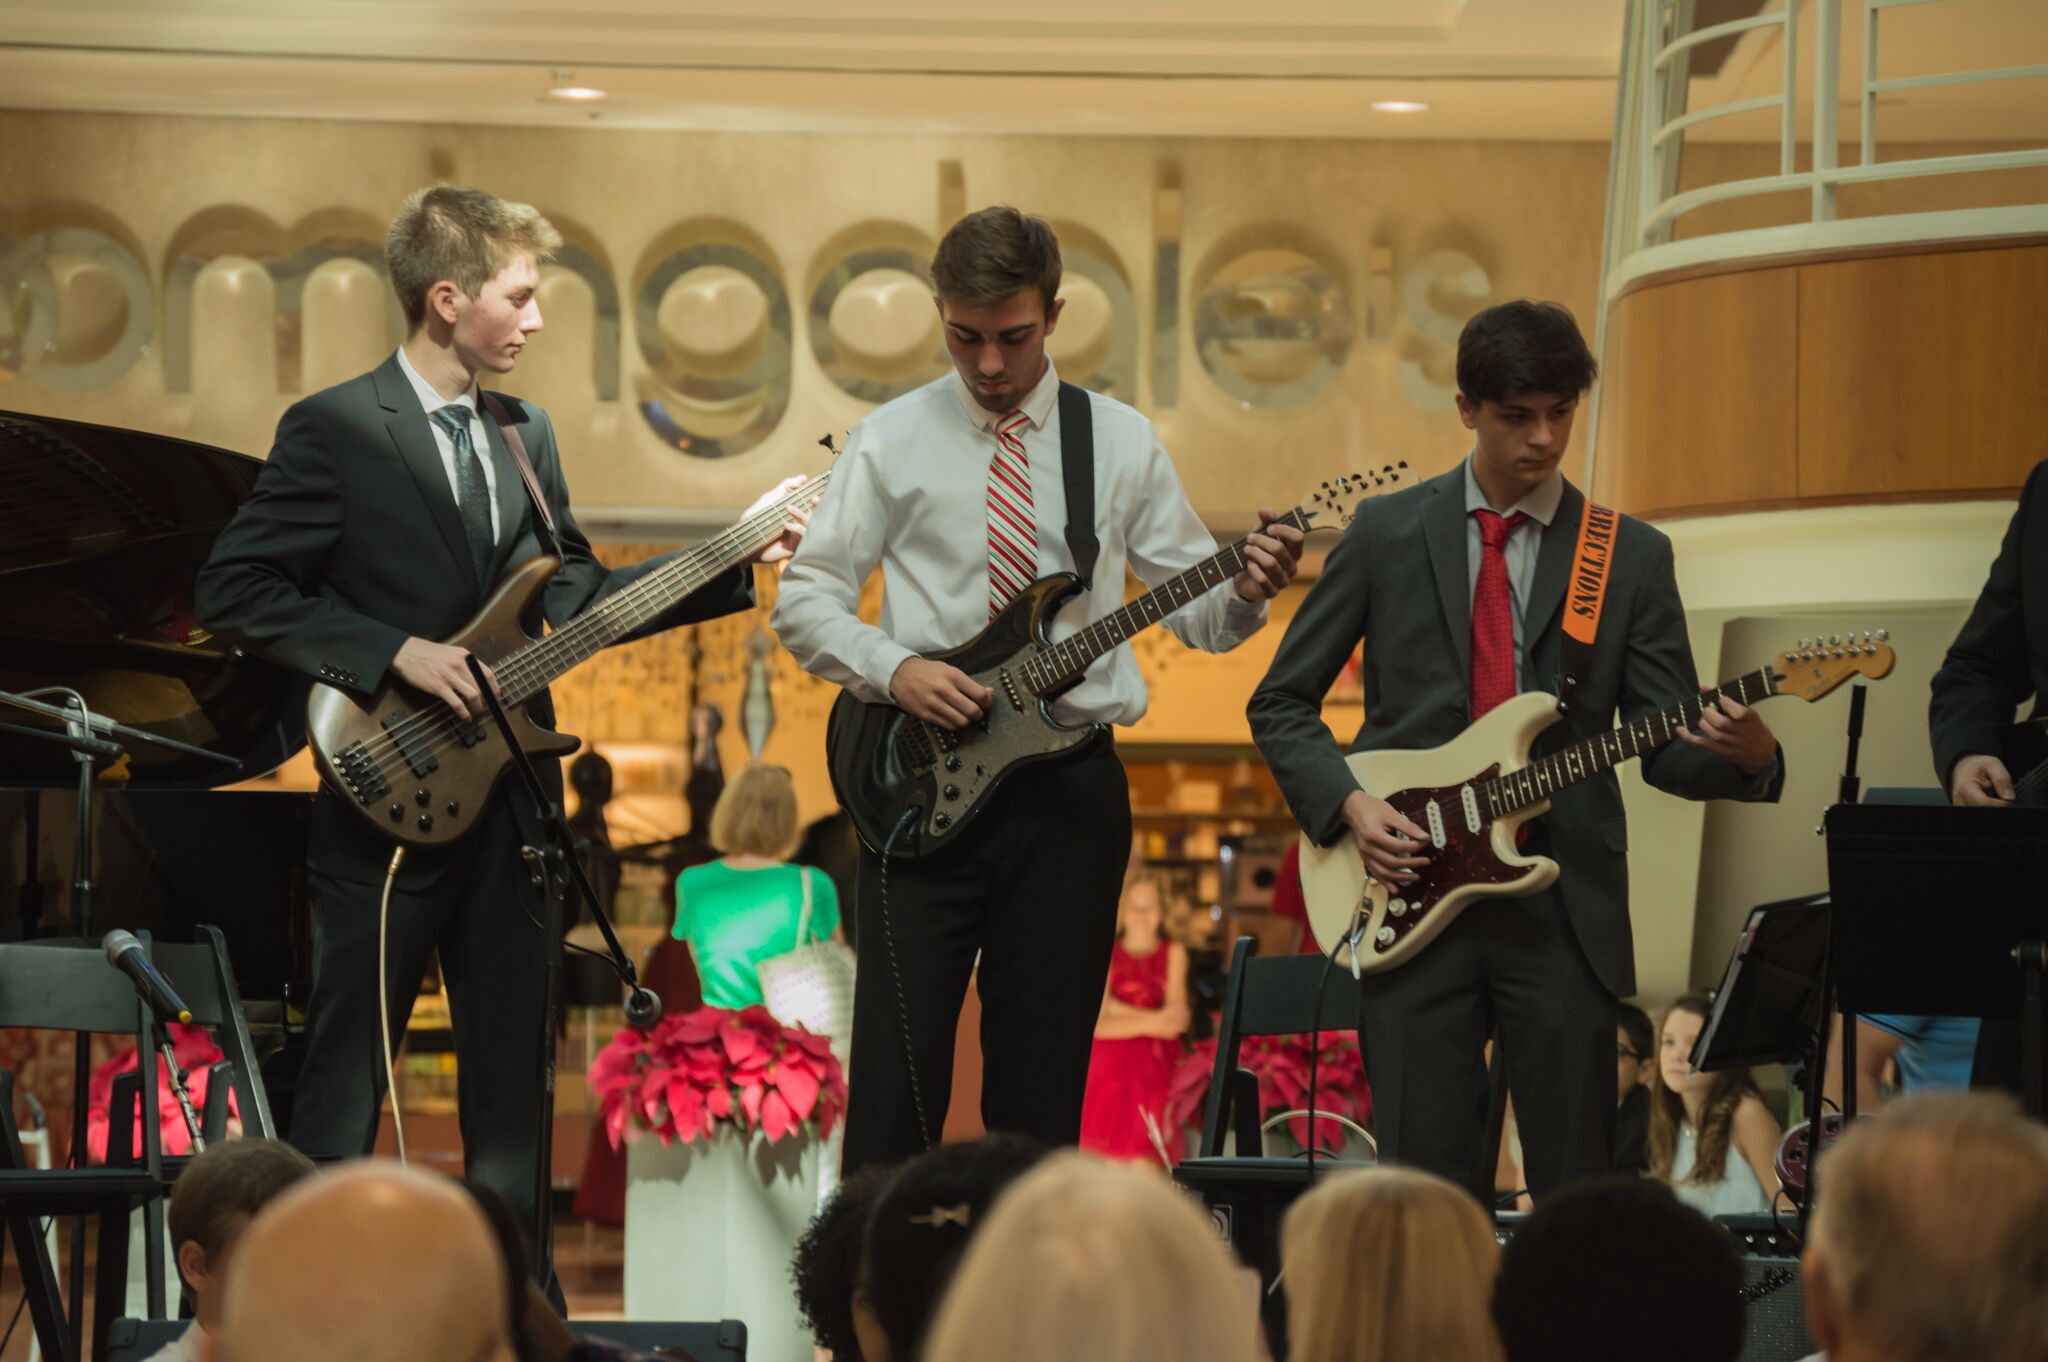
[1052, 669]
[527, 670]
[1545, 776]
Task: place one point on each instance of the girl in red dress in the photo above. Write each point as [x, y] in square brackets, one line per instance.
[1137, 1036]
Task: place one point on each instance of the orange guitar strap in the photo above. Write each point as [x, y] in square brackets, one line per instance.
[1585, 595]
[518, 448]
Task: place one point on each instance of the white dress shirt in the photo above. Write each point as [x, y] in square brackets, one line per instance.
[1523, 545]
[431, 402]
[910, 493]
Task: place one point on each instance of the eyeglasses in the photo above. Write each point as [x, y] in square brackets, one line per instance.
[1623, 1052]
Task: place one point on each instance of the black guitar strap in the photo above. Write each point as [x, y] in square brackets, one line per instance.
[1077, 468]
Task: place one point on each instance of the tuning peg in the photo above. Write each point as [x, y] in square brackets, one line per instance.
[1883, 635]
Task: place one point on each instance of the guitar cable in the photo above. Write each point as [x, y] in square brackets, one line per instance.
[924, 1126]
[384, 994]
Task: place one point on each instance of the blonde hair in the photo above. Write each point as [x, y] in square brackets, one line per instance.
[756, 813]
[462, 235]
[1086, 1258]
[1137, 879]
[1389, 1263]
[1929, 1229]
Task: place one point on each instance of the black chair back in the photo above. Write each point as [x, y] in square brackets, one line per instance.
[1280, 996]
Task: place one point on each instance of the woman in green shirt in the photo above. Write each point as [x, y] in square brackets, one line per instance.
[743, 908]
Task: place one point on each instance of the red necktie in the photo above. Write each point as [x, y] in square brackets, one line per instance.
[1012, 534]
[1493, 615]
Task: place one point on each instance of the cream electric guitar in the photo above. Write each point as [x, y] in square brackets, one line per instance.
[1472, 794]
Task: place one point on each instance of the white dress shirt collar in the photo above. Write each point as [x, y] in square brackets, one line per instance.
[1540, 505]
[431, 401]
[1037, 404]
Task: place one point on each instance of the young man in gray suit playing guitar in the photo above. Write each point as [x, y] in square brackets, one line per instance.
[388, 509]
[1457, 587]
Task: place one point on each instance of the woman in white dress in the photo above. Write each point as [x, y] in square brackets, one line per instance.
[1711, 1137]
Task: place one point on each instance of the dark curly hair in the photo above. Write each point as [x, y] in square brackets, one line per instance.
[921, 1225]
[826, 1268]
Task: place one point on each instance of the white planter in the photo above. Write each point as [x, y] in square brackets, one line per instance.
[710, 1230]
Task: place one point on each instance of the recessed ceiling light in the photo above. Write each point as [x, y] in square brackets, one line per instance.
[1399, 106]
[577, 94]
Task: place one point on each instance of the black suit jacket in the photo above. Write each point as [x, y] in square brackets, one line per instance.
[2001, 655]
[1398, 579]
[351, 543]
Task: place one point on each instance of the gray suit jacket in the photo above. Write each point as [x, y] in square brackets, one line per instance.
[1398, 579]
[351, 543]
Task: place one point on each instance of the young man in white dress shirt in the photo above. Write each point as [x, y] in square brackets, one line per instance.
[956, 490]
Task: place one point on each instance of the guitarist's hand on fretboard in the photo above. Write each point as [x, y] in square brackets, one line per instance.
[792, 529]
[939, 693]
[1387, 841]
[441, 671]
[1981, 782]
[1272, 555]
[1733, 731]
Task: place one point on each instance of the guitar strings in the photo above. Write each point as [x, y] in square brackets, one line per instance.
[429, 730]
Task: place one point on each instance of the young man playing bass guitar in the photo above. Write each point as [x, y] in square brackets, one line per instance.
[959, 491]
[389, 508]
[1456, 587]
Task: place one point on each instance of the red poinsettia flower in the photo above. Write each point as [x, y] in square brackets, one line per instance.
[1281, 1064]
[716, 1066]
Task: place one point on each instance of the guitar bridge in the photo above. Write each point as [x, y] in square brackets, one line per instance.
[364, 778]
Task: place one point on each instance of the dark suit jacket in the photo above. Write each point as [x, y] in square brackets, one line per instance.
[2001, 656]
[1398, 579]
[351, 543]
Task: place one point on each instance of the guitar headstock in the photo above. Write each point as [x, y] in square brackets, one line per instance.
[1818, 665]
[1333, 504]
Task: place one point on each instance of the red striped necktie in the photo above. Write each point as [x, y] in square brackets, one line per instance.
[1012, 533]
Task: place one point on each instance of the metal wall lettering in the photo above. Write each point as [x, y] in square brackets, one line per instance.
[872, 325]
[79, 352]
[604, 356]
[712, 324]
[1437, 330]
[1166, 226]
[240, 232]
[1272, 325]
[1096, 341]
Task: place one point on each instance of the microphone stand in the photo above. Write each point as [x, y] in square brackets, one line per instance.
[177, 1074]
[555, 858]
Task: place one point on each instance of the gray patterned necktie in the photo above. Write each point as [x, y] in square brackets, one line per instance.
[473, 498]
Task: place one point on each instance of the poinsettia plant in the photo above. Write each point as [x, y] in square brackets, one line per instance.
[1282, 1066]
[691, 1073]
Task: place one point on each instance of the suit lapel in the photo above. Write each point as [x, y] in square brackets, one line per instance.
[1443, 529]
[1553, 568]
[407, 424]
[512, 498]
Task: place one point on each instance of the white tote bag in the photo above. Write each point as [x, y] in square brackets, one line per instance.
[811, 986]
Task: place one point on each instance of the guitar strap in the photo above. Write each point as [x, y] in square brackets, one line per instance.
[496, 406]
[1077, 469]
[1585, 597]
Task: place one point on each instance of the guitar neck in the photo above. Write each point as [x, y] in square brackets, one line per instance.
[1054, 668]
[530, 669]
[1545, 776]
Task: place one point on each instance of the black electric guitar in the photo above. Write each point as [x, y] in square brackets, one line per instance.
[910, 787]
[417, 774]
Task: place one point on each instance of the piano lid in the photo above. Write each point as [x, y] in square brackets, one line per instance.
[102, 535]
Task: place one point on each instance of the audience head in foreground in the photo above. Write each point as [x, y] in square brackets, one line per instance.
[1615, 1270]
[1388, 1263]
[371, 1260]
[826, 1270]
[920, 1227]
[213, 1201]
[1084, 1258]
[1930, 1238]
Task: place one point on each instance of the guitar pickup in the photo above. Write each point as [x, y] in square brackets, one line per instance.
[362, 776]
[472, 734]
[417, 756]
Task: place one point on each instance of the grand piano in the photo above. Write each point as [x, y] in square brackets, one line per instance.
[102, 532]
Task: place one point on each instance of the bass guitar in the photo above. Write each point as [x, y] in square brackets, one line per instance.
[911, 787]
[419, 775]
[1475, 791]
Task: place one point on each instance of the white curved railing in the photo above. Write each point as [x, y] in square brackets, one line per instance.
[1652, 120]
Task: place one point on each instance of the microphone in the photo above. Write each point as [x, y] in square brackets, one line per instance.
[125, 954]
[643, 1008]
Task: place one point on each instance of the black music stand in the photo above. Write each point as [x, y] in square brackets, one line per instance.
[1942, 912]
